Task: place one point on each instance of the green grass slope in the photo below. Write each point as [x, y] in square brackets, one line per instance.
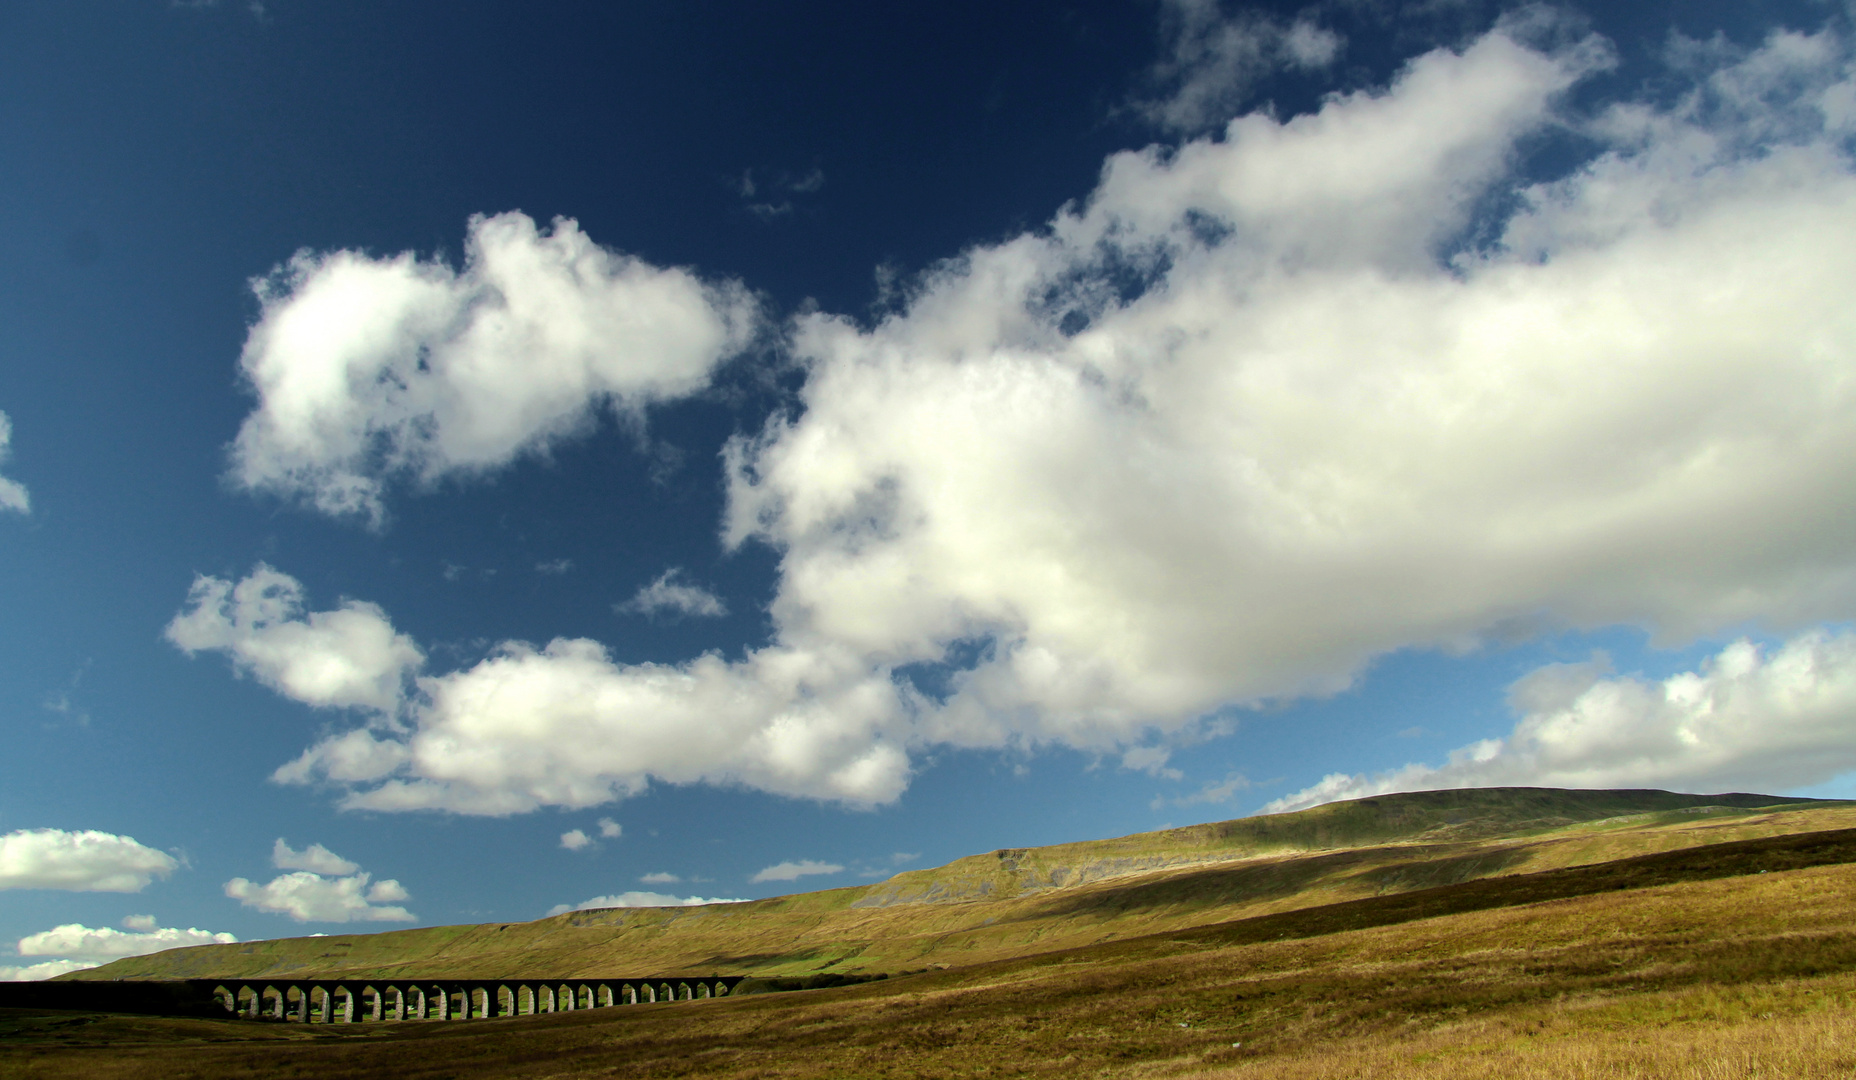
[1017, 902]
[1413, 817]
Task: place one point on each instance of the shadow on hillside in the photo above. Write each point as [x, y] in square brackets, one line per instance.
[1457, 815]
[1378, 869]
[1710, 862]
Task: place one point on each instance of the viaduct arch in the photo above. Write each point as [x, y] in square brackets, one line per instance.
[348, 1001]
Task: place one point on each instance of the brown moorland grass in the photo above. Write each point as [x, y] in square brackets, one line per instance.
[1642, 974]
[1813, 1046]
[1018, 902]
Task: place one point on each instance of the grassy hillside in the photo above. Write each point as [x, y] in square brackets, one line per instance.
[1727, 960]
[1017, 902]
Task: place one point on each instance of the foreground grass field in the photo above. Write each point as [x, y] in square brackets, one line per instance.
[1726, 961]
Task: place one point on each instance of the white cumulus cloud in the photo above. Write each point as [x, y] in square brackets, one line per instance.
[566, 725]
[366, 369]
[314, 858]
[575, 839]
[1312, 439]
[308, 897]
[562, 725]
[610, 829]
[13, 494]
[660, 878]
[48, 969]
[349, 657]
[1249, 416]
[79, 943]
[324, 888]
[669, 594]
[1745, 721]
[793, 871]
[640, 899]
[88, 861]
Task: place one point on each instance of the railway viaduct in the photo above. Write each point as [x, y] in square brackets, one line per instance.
[350, 1001]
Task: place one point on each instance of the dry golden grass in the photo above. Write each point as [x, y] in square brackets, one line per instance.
[1794, 1031]
[1751, 975]
[1229, 870]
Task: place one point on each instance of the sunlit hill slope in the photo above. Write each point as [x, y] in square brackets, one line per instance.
[1017, 902]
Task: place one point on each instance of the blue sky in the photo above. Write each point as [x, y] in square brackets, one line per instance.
[468, 460]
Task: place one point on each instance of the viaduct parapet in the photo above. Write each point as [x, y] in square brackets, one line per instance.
[348, 1001]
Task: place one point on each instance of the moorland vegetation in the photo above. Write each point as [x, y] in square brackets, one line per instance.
[1014, 902]
[1522, 933]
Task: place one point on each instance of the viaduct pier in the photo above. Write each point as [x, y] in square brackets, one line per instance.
[348, 1001]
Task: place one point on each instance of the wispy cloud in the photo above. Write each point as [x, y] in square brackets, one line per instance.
[668, 593]
[1215, 57]
[256, 7]
[793, 871]
[1213, 792]
[885, 867]
[13, 494]
[315, 858]
[640, 899]
[1151, 760]
[63, 701]
[769, 196]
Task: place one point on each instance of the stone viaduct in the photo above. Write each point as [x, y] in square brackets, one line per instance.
[350, 1001]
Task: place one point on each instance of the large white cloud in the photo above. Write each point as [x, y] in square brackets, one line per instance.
[13, 494]
[367, 368]
[88, 861]
[308, 897]
[1248, 417]
[1314, 438]
[83, 944]
[1745, 721]
[566, 725]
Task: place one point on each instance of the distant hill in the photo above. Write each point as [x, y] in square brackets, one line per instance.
[1422, 817]
[1017, 902]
